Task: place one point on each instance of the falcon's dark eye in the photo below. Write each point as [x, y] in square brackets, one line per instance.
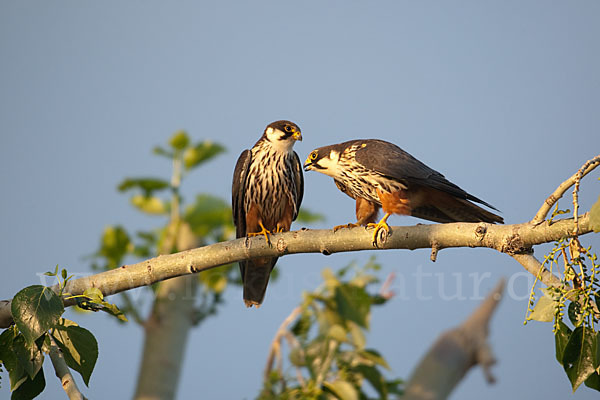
[313, 156]
[288, 128]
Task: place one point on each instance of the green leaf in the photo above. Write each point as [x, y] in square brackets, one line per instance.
[343, 390]
[574, 312]
[200, 153]
[149, 204]
[93, 300]
[308, 216]
[544, 310]
[30, 388]
[28, 354]
[16, 373]
[297, 358]
[180, 140]
[113, 310]
[115, 245]
[302, 325]
[36, 309]
[375, 357]
[331, 281]
[363, 280]
[353, 303]
[595, 216]
[393, 386]
[159, 151]
[374, 377]
[215, 279]
[146, 185]
[358, 337]
[337, 332]
[208, 215]
[579, 355]
[593, 381]
[50, 273]
[561, 338]
[79, 348]
[146, 248]
[94, 294]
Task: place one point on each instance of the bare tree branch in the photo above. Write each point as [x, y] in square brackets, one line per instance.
[63, 372]
[510, 239]
[563, 187]
[454, 353]
[534, 267]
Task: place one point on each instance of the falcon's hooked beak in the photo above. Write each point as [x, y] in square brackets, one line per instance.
[310, 164]
[323, 160]
[297, 136]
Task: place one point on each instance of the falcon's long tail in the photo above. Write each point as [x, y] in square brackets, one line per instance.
[443, 207]
[255, 277]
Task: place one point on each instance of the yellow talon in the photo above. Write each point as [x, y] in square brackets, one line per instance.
[350, 225]
[379, 226]
[264, 231]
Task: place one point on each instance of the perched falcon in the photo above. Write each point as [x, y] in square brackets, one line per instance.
[266, 194]
[379, 174]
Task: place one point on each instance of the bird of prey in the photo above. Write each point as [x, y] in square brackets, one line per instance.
[266, 194]
[379, 174]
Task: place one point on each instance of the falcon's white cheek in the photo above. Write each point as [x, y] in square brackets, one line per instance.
[330, 164]
[271, 135]
[334, 156]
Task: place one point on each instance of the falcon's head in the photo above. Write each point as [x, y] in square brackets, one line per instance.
[326, 160]
[282, 134]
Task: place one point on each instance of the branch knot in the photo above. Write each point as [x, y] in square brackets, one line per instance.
[514, 244]
[480, 232]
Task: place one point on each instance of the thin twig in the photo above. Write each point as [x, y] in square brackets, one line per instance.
[322, 375]
[275, 347]
[435, 247]
[585, 169]
[295, 346]
[534, 267]
[385, 291]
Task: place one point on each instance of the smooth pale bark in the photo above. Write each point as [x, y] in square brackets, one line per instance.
[510, 239]
[64, 373]
[167, 330]
[168, 325]
[454, 353]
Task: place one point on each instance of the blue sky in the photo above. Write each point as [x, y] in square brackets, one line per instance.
[501, 97]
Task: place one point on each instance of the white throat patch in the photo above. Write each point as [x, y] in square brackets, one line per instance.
[275, 138]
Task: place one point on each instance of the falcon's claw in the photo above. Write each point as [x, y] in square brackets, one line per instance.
[350, 225]
[378, 227]
[264, 231]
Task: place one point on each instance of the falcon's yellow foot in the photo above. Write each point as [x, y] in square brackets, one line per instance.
[379, 226]
[350, 225]
[264, 231]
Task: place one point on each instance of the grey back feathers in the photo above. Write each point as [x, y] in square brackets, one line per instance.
[390, 160]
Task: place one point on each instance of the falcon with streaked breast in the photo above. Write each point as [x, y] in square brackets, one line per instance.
[267, 189]
[379, 174]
